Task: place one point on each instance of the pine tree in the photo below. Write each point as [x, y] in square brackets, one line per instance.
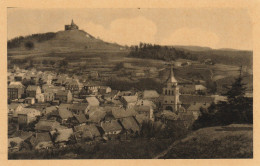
[238, 108]
[237, 91]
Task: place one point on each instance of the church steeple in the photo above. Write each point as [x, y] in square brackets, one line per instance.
[171, 80]
[72, 23]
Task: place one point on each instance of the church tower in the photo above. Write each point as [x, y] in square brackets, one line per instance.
[171, 94]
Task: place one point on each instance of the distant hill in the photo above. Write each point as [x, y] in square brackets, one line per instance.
[193, 48]
[232, 141]
[59, 42]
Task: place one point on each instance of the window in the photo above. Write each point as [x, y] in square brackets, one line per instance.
[165, 101]
[165, 91]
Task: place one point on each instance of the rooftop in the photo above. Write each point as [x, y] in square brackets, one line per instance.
[111, 126]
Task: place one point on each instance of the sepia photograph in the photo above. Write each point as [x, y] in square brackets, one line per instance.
[129, 83]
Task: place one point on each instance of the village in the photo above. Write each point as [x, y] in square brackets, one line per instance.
[47, 110]
[50, 109]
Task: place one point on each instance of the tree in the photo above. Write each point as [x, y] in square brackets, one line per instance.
[236, 92]
[237, 108]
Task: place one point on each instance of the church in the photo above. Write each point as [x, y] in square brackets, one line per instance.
[72, 26]
[170, 97]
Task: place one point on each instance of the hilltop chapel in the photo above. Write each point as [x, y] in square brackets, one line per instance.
[170, 99]
[72, 26]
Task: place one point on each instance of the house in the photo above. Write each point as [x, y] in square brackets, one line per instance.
[29, 100]
[130, 124]
[64, 115]
[249, 95]
[61, 115]
[48, 110]
[19, 77]
[49, 96]
[96, 115]
[25, 135]
[111, 127]
[77, 100]
[146, 103]
[150, 95]
[34, 79]
[46, 86]
[190, 99]
[104, 90]
[15, 90]
[177, 64]
[15, 108]
[147, 111]
[92, 87]
[64, 96]
[218, 98]
[200, 89]
[28, 115]
[32, 91]
[125, 93]
[187, 89]
[40, 98]
[78, 108]
[120, 113]
[64, 106]
[61, 80]
[41, 141]
[83, 93]
[92, 101]
[129, 101]
[73, 85]
[86, 132]
[61, 135]
[138, 73]
[53, 89]
[78, 119]
[110, 96]
[47, 125]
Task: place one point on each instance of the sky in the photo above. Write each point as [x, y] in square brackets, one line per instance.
[210, 27]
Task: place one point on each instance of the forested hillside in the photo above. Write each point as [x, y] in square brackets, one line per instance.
[167, 53]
